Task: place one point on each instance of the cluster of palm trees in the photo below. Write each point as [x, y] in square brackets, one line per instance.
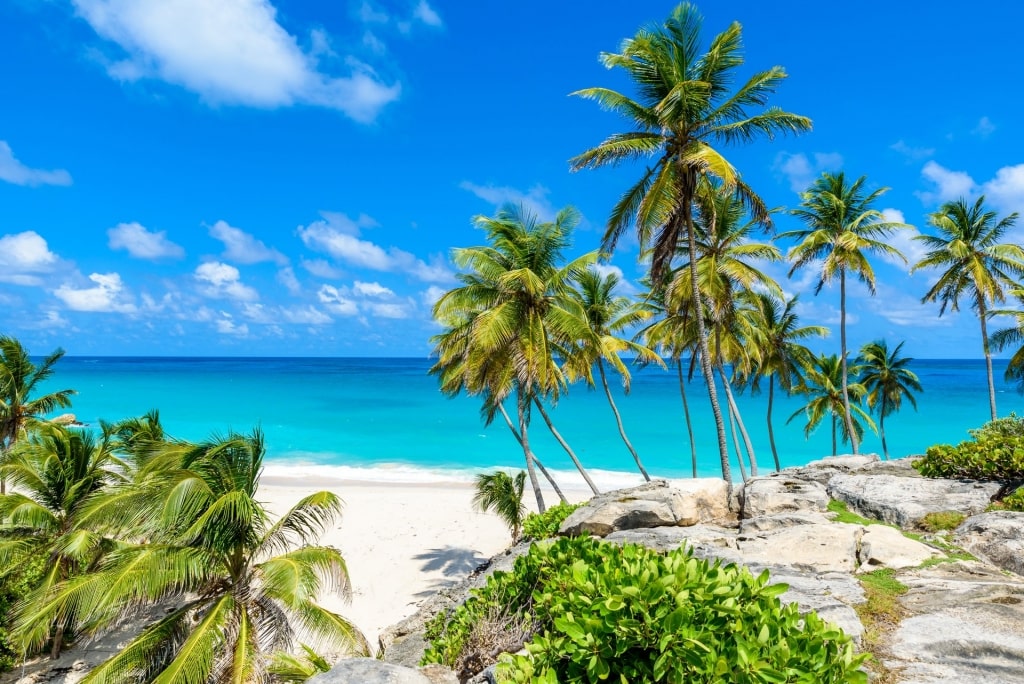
[129, 518]
[522, 323]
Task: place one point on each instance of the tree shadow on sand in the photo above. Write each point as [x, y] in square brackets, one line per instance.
[453, 562]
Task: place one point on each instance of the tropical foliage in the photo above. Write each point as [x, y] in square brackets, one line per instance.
[823, 384]
[503, 494]
[888, 381]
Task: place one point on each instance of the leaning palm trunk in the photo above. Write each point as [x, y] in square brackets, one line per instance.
[702, 340]
[847, 417]
[988, 356]
[747, 444]
[565, 445]
[881, 429]
[686, 412]
[524, 420]
[736, 444]
[771, 433]
[618, 421]
[540, 466]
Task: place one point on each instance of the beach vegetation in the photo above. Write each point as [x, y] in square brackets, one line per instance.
[823, 385]
[22, 408]
[880, 613]
[600, 611]
[888, 381]
[1012, 337]
[942, 521]
[502, 494]
[841, 229]
[972, 264]
[683, 112]
[999, 459]
[545, 525]
[1009, 426]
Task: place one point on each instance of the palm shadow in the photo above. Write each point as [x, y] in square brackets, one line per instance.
[452, 561]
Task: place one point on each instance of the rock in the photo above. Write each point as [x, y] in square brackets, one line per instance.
[372, 671]
[822, 470]
[832, 595]
[900, 467]
[705, 538]
[828, 547]
[771, 495]
[654, 504]
[767, 523]
[904, 501]
[882, 546]
[997, 537]
[709, 494]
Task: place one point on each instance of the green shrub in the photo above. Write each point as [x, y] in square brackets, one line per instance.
[629, 614]
[992, 458]
[546, 524]
[17, 580]
[1011, 426]
[1014, 502]
[941, 521]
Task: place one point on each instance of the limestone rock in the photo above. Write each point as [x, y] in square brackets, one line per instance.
[829, 547]
[882, 546]
[709, 494]
[771, 495]
[904, 501]
[372, 671]
[767, 523]
[706, 538]
[997, 537]
[822, 470]
[654, 504]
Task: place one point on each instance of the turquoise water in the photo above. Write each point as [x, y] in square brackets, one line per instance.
[386, 419]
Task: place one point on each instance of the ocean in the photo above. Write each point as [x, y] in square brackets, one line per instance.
[385, 419]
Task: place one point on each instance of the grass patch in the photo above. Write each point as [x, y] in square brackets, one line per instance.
[844, 515]
[880, 614]
[942, 521]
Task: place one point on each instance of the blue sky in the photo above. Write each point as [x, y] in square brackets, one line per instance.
[246, 177]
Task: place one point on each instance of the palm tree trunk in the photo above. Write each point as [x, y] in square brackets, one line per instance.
[524, 422]
[543, 470]
[747, 445]
[686, 412]
[881, 429]
[834, 450]
[988, 356]
[58, 642]
[842, 340]
[565, 445]
[618, 421]
[736, 445]
[702, 339]
[771, 433]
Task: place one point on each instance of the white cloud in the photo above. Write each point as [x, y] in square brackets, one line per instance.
[229, 52]
[337, 301]
[801, 171]
[912, 153]
[382, 310]
[308, 315]
[286, 276]
[13, 171]
[242, 247]
[227, 326]
[903, 240]
[625, 287]
[948, 185]
[370, 14]
[223, 280]
[321, 268]
[535, 199]
[984, 128]
[430, 296]
[142, 244]
[107, 296]
[900, 308]
[427, 15]
[1006, 190]
[372, 290]
[22, 254]
[338, 236]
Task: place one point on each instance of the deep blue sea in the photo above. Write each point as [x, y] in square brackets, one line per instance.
[385, 418]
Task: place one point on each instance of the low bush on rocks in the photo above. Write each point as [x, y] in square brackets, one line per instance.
[592, 611]
[993, 458]
[546, 524]
[1011, 426]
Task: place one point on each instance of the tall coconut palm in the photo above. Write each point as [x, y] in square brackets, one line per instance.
[974, 264]
[1012, 336]
[243, 586]
[508, 319]
[54, 473]
[842, 228]
[608, 315]
[684, 110]
[824, 385]
[780, 355]
[887, 380]
[20, 379]
[503, 494]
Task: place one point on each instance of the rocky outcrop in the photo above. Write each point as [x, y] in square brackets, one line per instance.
[904, 502]
[773, 495]
[997, 537]
[887, 547]
[823, 470]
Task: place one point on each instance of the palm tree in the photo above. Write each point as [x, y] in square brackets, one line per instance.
[19, 380]
[54, 471]
[841, 229]
[824, 385]
[780, 353]
[511, 317]
[503, 494]
[1012, 336]
[685, 107]
[974, 264]
[243, 586]
[608, 315]
[887, 380]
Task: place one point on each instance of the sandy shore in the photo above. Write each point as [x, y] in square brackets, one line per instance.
[402, 542]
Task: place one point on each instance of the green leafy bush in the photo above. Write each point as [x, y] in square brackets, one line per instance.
[1011, 426]
[1014, 502]
[629, 614]
[546, 524]
[998, 458]
[17, 580]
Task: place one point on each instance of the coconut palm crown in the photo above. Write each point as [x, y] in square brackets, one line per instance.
[888, 381]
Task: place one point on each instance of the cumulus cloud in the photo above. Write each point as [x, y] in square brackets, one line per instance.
[108, 295]
[535, 199]
[339, 236]
[322, 268]
[388, 310]
[22, 255]
[1006, 189]
[427, 15]
[912, 153]
[242, 247]
[13, 171]
[229, 52]
[141, 243]
[286, 276]
[801, 171]
[222, 280]
[903, 240]
[226, 325]
[900, 308]
[430, 296]
[372, 290]
[336, 300]
[946, 184]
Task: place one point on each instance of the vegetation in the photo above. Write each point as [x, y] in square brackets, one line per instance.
[545, 525]
[999, 459]
[888, 381]
[881, 613]
[942, 521]
[503, 494]
[1010, 426]
[823, 383]
[658, 618]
